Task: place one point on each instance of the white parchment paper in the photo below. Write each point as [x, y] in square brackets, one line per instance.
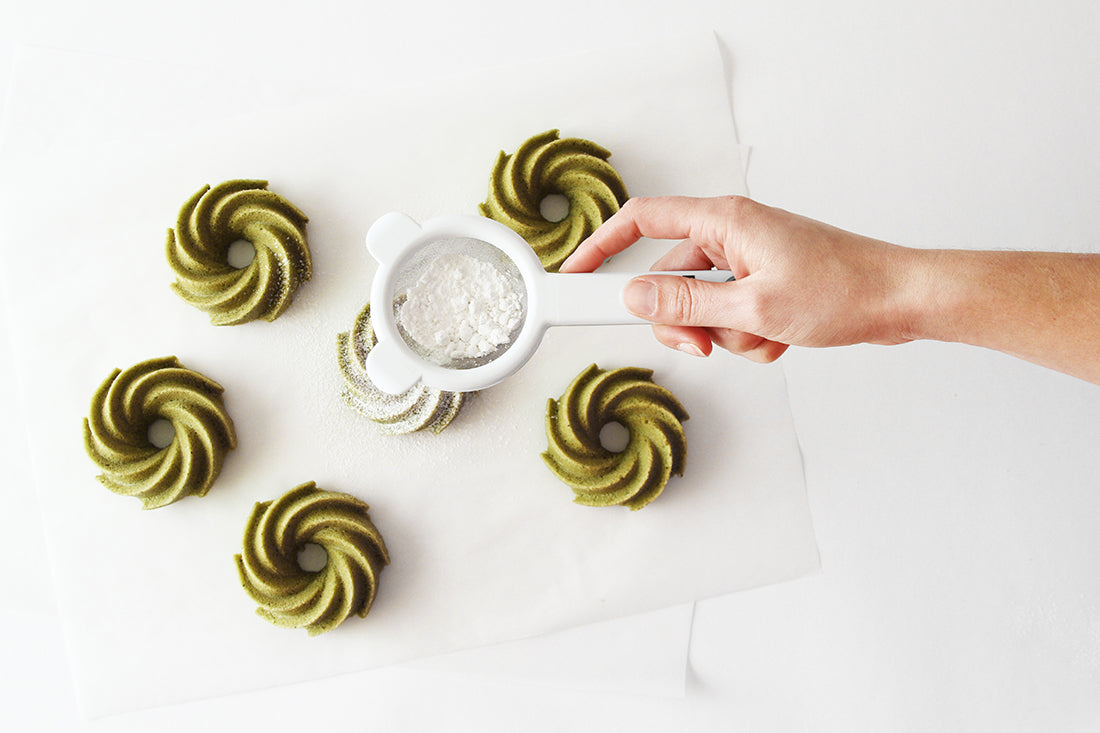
[486, 543]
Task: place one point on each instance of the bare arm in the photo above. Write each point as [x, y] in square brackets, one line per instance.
[1040, 306]
[801, 282]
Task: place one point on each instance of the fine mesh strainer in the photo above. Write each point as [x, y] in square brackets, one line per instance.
[405, 249]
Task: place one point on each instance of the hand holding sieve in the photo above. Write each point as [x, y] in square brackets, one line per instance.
[405, 249]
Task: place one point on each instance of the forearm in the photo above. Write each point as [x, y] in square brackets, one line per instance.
[1040, 306]
[804, 283]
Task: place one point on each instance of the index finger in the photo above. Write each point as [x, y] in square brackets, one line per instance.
[691, 255]
[663, 217]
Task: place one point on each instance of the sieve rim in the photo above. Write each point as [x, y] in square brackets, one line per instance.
[440, 229]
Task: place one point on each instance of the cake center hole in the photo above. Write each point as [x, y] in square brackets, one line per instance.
[161, 433]
[614, 437]
[554, 207]
[312, 557]
[241, 253]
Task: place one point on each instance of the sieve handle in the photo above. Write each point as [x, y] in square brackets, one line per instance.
[595, 298]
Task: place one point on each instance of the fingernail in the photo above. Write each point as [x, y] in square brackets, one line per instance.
[690, 349]
[640, 298]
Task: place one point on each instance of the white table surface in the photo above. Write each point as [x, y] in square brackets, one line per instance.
[954, 491]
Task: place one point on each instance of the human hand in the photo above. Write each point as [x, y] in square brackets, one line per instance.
[798, 281]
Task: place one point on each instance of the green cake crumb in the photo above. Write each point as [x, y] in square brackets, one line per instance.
[116, 432]
[653, 417]
[291, 596]
[215, 218]
[545, 165]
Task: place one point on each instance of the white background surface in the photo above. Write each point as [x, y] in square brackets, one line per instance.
[954, 491]
[484, 545]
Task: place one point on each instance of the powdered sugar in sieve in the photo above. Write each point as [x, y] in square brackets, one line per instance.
[461, 304]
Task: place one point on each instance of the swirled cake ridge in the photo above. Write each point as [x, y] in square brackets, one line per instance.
[198, 252]
[545, 165]
[417, 408]
[116, 432]
[653, 417]
[317, 600]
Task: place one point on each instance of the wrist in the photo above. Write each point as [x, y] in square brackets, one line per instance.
[941, 293]
[912, 306]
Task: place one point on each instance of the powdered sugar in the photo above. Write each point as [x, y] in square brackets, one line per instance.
[460, 308]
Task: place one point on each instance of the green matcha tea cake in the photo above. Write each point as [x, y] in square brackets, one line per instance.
[654, 419]
[545, 165]
[316, 600]
[417, 408]
[198, 251]
[116, 432]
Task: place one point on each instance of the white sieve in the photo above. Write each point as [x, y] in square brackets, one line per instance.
[405, 250]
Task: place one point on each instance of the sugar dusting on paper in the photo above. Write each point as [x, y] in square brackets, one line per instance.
[461, 308]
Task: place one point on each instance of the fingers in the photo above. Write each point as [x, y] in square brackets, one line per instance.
[692, 315]
[690, 340]
[700, 342]
[666, 217]
[750, 346]
[691, 255]
[681, 301]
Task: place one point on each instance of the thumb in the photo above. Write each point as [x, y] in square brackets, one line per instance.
[680, 301]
